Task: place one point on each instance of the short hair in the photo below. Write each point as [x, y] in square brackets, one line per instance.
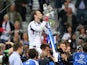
[43, 46]
[17, 45]
[34, 13]
[6, 15]
[32, 53]
[62, 43]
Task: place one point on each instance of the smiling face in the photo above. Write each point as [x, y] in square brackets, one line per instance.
[38, 15]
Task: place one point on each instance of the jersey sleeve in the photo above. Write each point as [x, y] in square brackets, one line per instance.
[38, 28]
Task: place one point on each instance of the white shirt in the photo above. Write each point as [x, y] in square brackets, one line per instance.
[35, 33]
[5, 34]
[7, 27]
[14, 59]
[72, 6]
[66, 36]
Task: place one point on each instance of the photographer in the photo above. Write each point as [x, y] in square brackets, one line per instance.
[46, 57]
[64, 58]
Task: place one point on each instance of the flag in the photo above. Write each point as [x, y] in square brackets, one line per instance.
[52, 42]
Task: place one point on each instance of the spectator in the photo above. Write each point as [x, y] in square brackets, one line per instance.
[83, 33]
[46, 48]
[63, 11]
[81, 6]
[73, 43]
[8, 27]
[58, 4]
[33, 55]
[25, 39]
[70, 5]
[14, 58]
[46, 55]
[62, 19]
[17, 28]
[64, 56]
[67, 18]
[14, 15]
[45, 59]
[62, 47]
[25, 55]
[16, 37]
[21, 8]
[82, 36]
[71, 19]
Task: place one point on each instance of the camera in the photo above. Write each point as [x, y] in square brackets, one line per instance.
[60, 50]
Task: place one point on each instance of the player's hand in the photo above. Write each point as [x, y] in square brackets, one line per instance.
[46, 18]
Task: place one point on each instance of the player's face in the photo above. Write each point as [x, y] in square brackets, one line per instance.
[39, 14]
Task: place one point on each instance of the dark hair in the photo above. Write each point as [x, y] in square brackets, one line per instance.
[32, 53]
[85, 47]
[7, 46]
[59, 49]
[17, 45]
[43, 46]
[34, 13]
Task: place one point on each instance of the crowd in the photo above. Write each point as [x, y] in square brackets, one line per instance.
[32, 46]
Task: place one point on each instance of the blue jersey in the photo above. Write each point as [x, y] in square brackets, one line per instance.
[31, 62]
[80, 58]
